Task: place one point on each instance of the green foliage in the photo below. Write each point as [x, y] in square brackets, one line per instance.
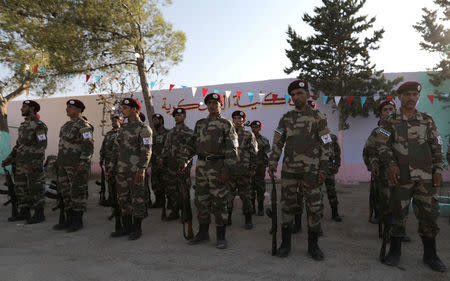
[335, 59]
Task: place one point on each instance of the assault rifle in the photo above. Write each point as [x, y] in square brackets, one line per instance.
[272, 213]
[11, 194]
[186, 211]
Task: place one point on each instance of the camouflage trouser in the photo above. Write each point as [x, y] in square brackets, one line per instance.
[425, 204]
[210, 194]
[73, 187]
[131, 195]
[381, 194]
[29, 186]
[330, 184]
[174, 183]
[158, 179]
[241, 184]
[307, 185]
[259, 184]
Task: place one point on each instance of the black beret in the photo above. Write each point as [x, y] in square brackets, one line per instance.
[214, 96]
[256, 123]
[178, 110]
[386, 102]
[239, 113]
[409, 86]
[34, 104]
[132, 102]
[76, 103]
[298, 84]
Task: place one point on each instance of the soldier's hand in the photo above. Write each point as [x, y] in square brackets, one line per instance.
[393, 174]
[272, 171]
[437, 179]
[140, 176]
[322, 177]
[223, 178]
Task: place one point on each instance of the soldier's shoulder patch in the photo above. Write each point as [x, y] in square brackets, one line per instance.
[326, 138]
[87, 135]
[439, 139]
[41, 137]
[147, 140]
[384, 132]
[279, 131]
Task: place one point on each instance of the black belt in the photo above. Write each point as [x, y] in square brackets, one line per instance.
[205, 157]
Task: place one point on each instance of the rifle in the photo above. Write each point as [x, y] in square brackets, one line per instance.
[163, 212]
[371, 198]
[102, 184]
[186, 211]
[147, 186]
[272, 213]
[116, 213]
[11, 194]
[60, 201]
[386, 218]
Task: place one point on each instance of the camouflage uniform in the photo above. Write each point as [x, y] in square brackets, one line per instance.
[159, 175]
[240, 181]
[415, 146]
[28, 156]
[334, 163]
[76, 146]
[261, 161]
[174, 146]
[305, 135]
[131, 154]
[106, 154]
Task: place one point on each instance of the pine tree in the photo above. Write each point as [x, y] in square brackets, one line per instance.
[335, 58]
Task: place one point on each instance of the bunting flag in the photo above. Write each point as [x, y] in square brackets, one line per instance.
[122, 79]
[184, 87]
[42, 69]
[27, 66]
[261, 96]
[446, 95]
[152, 84]
[324, 98]
[227, 94]
[286, 98]
[363, 100]
[337, 99]
[194, 89]
[216, 91]
[205, 90]
[389, 98]
[431, 98]
[376, 97]
[171, 87]
[274, 97]
[349, 100]
[239, 94]
[250, 96]
[87, 77]
[17, 64]
[34, 69]
[97, 78]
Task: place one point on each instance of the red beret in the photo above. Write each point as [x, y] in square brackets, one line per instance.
[132, 102]
[214, 96]
[409, 86]
[386, 102]
[298, 84]
[239, 113]
[32, 103]
[76, 103]
[256, 123]
[178, 110]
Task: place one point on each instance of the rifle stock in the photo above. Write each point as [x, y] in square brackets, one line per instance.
[274, 215]
[186, 211]
[11, 194]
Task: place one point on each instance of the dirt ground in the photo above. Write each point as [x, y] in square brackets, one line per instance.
[36, 252]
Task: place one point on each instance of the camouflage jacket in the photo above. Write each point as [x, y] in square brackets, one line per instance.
[262, 159]
[248, 148]
[214, 137]
[107, 147]
[159, 138]
[305, 138]
[76, 143]
[31, 143]
[370, 151]
[334, 153]
[175, 145]
[132, 148]
[414, 145]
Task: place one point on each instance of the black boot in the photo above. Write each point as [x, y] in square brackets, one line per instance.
[286, 235]
[260, 208]
[64, 221]
[77, 222]
[136, 232]
[202, 235]
[297, 224]
[125, 228]
[395, 251]
[429, 255]
[313, 248]
[335, 215]
[24, 214]
[248, 221]
[220, 234]
[38, 216]
[230, 213]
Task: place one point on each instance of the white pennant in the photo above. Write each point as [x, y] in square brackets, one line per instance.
[194, 89]
[337, 99]
[227, 94]
[261, 96]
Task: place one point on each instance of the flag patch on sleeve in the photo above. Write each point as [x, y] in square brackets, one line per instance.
[326, 138]
[87, 135]
[41, 137]
[147, 140]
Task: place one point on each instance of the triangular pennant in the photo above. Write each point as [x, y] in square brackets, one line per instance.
[389, 98]
[152, 84]
[376, 97]
[87, 77]
[261, 96]
[337, 99]
[286, 98]
[349, 100]
[184, 87]
[363, 100]
[324, 98]
[171, 87]
[216, 91]
[431, 98]
[238, 94]
[250, 96]
[42, 69]
[446, 95]
[205, 90]
[34, 69]
[227, 94]
[117, 78]
[274, 97]
[122, 79]
[97, 78]
[194, 89]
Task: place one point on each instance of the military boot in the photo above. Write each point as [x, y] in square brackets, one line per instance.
[136, 231]
[124, 229]
[313, 247]
[286, 235]
[429, 255]
[174, 214]
[395, 251]
[335, 215]
[38, 216]
[24, 214]
[230, 214]
[248, 221]
[260, 208]
[77, 222]
[220, 234]
[202, 235]
[64, 222]
[297, 224]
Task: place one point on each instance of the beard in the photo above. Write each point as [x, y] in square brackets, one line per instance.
[26, 113]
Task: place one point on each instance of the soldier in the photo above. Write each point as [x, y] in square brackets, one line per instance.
[410, 146]
[175, 144]
[305, 135]
[28, 157]
[215, 142]
[334, 162]
[261, 161]
[159, 175]
[75, 149]
[131, 154]
[106, 152]
[244, 171]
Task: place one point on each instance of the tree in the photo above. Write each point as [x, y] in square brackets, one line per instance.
[436, 39]
[335, 59]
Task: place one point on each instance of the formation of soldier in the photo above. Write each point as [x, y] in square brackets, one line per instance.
[403, 154]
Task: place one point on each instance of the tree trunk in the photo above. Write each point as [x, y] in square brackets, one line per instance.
[148, 99]
[3, 115]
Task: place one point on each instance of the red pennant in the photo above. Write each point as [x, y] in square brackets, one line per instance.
[87, 77]
[34, 69]
[117, 78]
[171, 87]
[431, 98]
[274, 97]
[389, 98]
[349, 100]
[205, 90]
[239, 94]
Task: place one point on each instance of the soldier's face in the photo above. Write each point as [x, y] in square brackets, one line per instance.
[179, 118]
[155, 121]
[299, 96]
[409, 99]
[213, 106]
[25, 109]
[72, 111]
[255, 129]
[238, 121]
[127, 111]
[387, 109]
[115, 123]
